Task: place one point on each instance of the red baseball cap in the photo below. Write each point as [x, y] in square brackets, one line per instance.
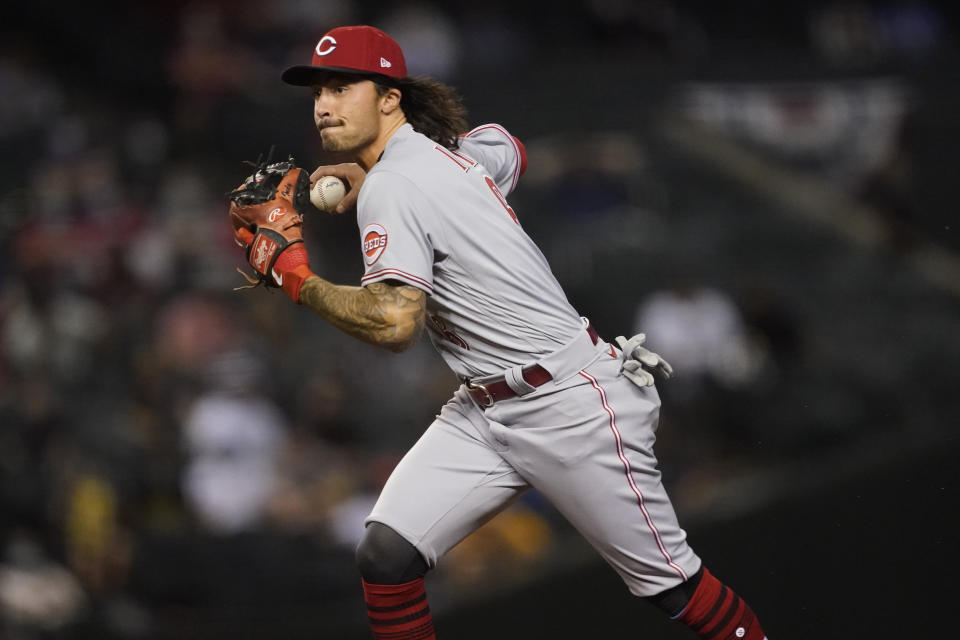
[361, 49]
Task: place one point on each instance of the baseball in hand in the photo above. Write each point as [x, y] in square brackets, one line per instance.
[327, 192]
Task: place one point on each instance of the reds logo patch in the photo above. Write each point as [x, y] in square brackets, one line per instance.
[374, 242]
[276, 214]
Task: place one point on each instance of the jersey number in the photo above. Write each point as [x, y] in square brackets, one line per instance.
[453, 155]
[503, 201]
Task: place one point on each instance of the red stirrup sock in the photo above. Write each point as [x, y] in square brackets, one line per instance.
[399, 611]
[715, 612]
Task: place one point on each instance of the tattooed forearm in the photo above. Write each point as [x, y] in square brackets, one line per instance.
[380, 313]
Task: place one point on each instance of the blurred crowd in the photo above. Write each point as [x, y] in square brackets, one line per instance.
[142, 399]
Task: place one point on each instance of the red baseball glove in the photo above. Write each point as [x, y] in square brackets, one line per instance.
[267, 214]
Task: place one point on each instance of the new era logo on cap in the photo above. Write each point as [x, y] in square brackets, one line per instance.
[361, 49]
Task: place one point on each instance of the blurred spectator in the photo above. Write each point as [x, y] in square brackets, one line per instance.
[233, 434]
[597, 196]
[51, 331]
[346, 520]
[888, 189]
[328, 473]
[651, 26]
[294, 17]
[98, 547]
[191, 331]
[912, 28]
[146, 148]
[861, 34]
[507, 549]
[189, 246]
[429, 39]
[323, 409]
[845, 34]
[700, 331]
[32, 413]
[775, 332]
[36, 594]
[208, 66]
[312, 477]
[497, 33]
[29, 95]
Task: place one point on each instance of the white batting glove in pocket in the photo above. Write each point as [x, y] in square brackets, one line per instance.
[642, 366]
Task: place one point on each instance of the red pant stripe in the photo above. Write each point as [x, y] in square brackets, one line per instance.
[629, 473]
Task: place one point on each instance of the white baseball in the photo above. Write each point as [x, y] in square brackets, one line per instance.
[327, 192]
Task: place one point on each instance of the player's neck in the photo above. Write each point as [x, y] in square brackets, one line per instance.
[369, 156]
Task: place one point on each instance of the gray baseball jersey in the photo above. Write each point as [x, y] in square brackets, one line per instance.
[439, 220]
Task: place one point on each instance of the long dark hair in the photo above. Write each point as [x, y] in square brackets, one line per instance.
[434, 109]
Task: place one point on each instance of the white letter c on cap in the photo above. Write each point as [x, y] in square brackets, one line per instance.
[326, 40]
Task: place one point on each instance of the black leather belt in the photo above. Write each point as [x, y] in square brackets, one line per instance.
[496, 390]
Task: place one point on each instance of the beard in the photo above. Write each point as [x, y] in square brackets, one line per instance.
[339, 138]
[331, 142]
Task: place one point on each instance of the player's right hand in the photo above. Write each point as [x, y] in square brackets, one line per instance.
[642, 366]
[351, 173]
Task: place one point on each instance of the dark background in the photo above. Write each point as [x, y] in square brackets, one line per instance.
[795, 164]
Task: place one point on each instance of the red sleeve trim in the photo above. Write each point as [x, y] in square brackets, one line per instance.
[397, 274]
[523, 155]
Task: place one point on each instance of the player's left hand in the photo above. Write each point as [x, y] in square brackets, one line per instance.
[642, 366]
[351, 173]
[267, 213]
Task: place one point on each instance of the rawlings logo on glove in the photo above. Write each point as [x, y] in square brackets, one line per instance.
[267, 214]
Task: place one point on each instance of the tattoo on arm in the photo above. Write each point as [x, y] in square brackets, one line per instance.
[383, 314]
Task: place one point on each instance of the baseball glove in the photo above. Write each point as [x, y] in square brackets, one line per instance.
[267, 215]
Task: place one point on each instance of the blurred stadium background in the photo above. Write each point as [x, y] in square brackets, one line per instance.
[769, 190]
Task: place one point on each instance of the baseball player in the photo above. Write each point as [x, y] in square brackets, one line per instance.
[544, 402]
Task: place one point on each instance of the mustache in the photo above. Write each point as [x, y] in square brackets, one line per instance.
[328, 122]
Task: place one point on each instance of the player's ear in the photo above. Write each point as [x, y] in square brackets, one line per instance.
[390, 101]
